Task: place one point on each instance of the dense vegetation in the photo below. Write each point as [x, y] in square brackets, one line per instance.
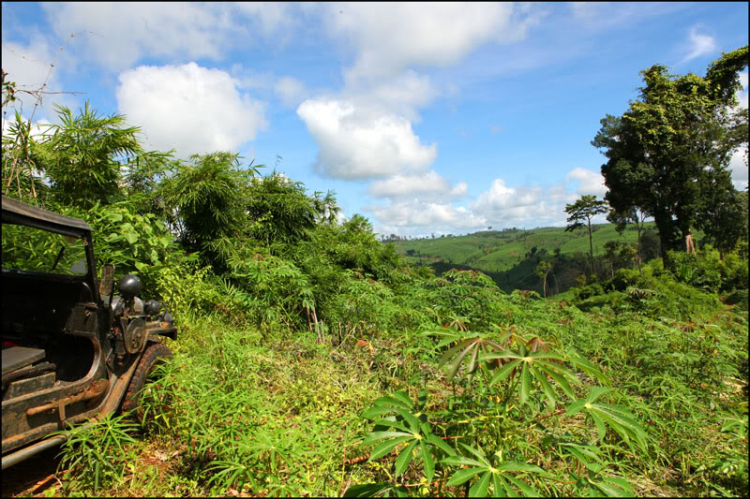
[314, 360]
[510, 257]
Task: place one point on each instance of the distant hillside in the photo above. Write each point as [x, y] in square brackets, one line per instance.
[510, 256]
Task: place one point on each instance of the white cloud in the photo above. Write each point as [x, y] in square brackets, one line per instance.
[290, 90]
[400, 94]
[273, 17]
[393, 36]
[366, 131]
[120, 34]
[192, 109]
[699, 45]
[360, 142]
[415, 216]
[429, 185]
[589, 182]
[532, 206]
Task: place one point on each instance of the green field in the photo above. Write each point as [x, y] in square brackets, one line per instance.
[510, 256]
[496, 251]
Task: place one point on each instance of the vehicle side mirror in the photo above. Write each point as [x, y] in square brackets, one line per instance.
[107, 282]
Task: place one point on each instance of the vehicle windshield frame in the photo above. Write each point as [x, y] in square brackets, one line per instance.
[16, 212]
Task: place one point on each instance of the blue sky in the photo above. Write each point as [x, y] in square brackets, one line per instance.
[444, 118]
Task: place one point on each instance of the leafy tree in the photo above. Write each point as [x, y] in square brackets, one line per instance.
[583, 210]
[650, 247]
[205, 200]
[85, 154]
[326, 207]
[542, 270]
[722, 214]
[281, 212]
[21, 162]
[679, 130]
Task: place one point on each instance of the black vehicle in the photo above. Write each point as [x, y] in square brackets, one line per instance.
[72, 349]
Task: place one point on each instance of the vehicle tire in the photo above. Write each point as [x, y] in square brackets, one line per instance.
[154, 355]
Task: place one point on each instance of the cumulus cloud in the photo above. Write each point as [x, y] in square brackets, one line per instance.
[589, 182]
[391, 37]
[414, 208]
[366, 131]
[190, 108]
[536, 206]
[361, 142]
[415, 216]
[425, 186]
[120, 34]
[699, 45]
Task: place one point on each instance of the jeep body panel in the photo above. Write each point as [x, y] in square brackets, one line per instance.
[64, 341]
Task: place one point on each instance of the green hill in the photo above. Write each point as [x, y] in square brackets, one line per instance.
[510, 256]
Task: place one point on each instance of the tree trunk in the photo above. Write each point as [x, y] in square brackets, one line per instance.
[664, 243]
[638, 247]
[591, 247]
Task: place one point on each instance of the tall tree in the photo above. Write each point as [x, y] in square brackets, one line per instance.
[542, 270]
[208, 197]
[84, 157]
[680, 130]
[584, 210]
[722, 214]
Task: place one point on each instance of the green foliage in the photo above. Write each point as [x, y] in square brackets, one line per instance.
[501, 476]
[26, 248]
[706, 270]
[134, 243]
[583, 210]
[313, 360]
[209, 196]
[668, 155]
[282, 212]
[408, 429]
[95, 454]
[84, 155]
